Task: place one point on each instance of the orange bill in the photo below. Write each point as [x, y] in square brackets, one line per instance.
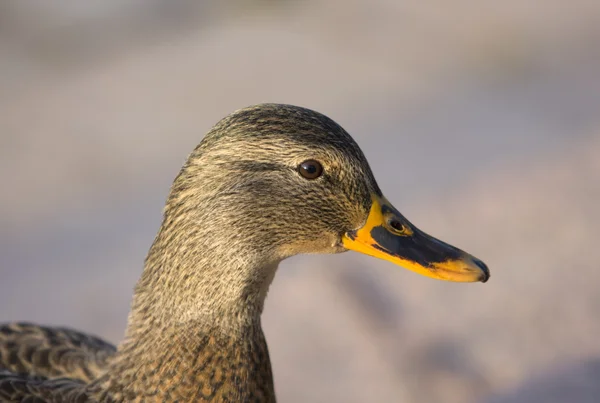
[388, 235]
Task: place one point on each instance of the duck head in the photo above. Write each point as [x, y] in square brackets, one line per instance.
[272, 181]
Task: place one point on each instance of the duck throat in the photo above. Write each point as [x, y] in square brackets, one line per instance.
[194, 331]
[204, 277]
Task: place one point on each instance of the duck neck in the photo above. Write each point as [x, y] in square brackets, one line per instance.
[196, 313]
[215, 286]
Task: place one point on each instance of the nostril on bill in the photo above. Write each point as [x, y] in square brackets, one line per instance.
[395, 224]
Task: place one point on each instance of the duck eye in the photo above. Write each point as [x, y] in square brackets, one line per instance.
[310, 169]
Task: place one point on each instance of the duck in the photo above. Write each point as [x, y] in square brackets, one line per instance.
[266, 183]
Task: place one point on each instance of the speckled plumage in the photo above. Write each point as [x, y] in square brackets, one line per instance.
[208, 367]
[52, 352]
[237, 208]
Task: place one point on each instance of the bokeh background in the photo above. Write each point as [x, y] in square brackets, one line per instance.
[481, 121]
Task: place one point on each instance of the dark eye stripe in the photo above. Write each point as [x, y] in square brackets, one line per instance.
[310, 169]
[255, 166]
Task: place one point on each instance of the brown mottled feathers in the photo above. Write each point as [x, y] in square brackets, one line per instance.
[36, 389]
[201, 368]
[52, 352]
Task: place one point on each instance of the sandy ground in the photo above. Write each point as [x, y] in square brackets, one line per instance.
[480, 122]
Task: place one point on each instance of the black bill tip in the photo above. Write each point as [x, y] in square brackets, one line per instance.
[484, 270]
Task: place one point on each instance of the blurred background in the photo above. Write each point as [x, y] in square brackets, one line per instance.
[481, 121]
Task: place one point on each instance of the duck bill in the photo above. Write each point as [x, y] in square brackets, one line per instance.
[388, 235]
